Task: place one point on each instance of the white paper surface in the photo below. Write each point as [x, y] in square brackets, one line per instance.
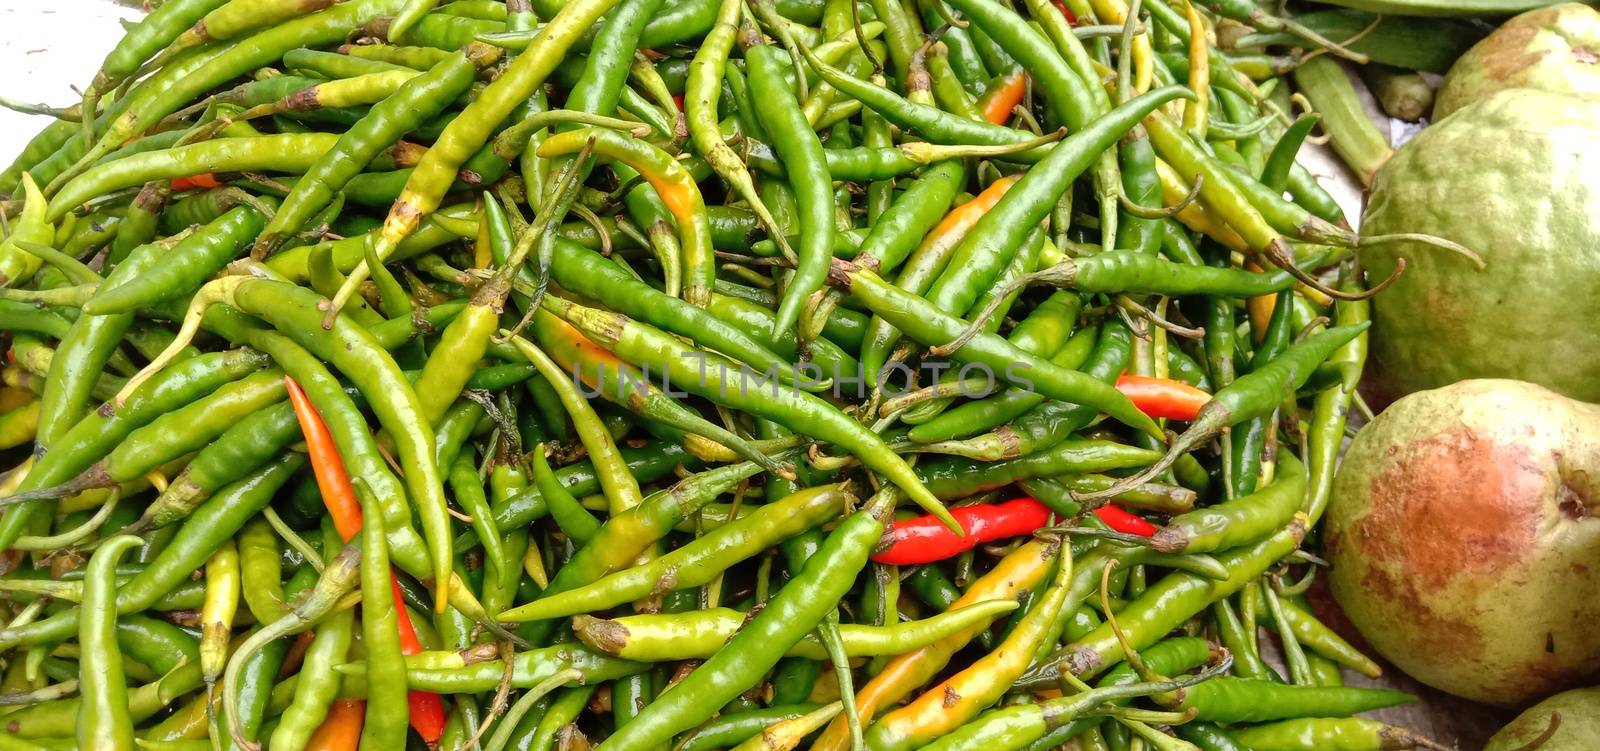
[46, 48]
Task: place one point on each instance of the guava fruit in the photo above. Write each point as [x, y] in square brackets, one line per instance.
[1514, 177]
[1575, 715]
[1554, 49]
[1464, 540]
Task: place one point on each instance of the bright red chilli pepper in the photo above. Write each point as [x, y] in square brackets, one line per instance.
[1072, 20]
[409, 643]
[1124, 522]
[204, 180]
[925, 539]
[339, 496]
[1163, 397]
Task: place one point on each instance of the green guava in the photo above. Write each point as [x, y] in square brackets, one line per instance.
[1464, 541]
[1575, 715]
[1514, 177]
[1552, 49]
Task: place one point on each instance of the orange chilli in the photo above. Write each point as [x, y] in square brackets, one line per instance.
[1163, 397]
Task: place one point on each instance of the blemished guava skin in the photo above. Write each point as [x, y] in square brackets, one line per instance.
[1577, 730]
[1464, 540]
[1555, 49]
[1515, 177]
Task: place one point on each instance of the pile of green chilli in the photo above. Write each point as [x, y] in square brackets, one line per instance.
[549, 373]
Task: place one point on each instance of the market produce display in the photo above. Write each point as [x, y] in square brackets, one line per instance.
[634, 374]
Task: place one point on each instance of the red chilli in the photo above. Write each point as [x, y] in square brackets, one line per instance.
[1163, 397]
[925, 539]
[1124, 522]
[1072, 20]
[339, 497]
[203, 180]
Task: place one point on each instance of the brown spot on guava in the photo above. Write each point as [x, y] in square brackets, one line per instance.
[1405, 600]
[1456, 509]
[1455, 504]
[1507, 52]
